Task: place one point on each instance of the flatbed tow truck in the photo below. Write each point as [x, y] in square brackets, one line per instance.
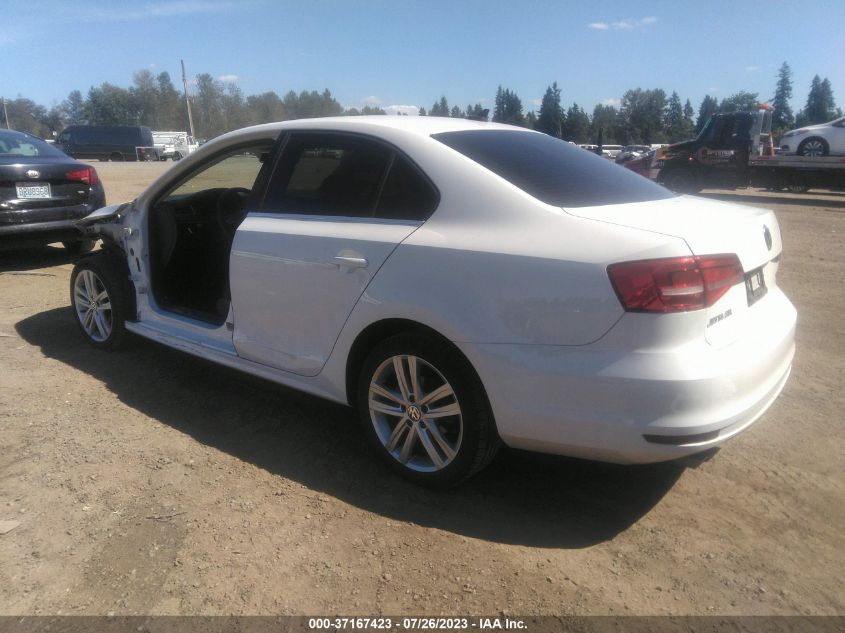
[736, 150]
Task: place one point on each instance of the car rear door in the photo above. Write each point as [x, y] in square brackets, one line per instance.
[336, 207]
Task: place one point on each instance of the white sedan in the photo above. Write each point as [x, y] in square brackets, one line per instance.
[461, 284]
[816, 140]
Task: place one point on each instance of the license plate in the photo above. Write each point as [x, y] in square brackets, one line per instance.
[28, 191]
[755, 285]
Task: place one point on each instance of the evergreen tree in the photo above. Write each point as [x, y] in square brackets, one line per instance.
[576, 124]
[456, 113]
[422, 111]
[508, 108]
[110, 105]
[689, 124]
[145, 95]
[604, 119]
[674, 119]
[477, 113]
[820, 106]
[266, 108]
[550, 119]
[74, 108]
[782, 118]
[708, 108]
[440, 108]
[171, 113]
[642, 115]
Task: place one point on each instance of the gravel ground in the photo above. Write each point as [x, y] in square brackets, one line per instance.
[151, 482]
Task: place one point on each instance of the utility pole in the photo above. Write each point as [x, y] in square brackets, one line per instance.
[6, 113]
[187, 99]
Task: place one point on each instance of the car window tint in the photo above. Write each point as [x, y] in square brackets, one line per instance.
[406, 194]
[238, 169]
[327, 174]
[15, 144]
[551, 170]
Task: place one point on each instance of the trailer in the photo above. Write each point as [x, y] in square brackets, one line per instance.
[736, 150]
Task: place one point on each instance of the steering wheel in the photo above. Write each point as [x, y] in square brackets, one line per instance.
[231, 204]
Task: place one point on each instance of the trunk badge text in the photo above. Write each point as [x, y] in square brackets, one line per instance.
[33, 174]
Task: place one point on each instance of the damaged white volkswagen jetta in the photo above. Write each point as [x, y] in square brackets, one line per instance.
[461, 284]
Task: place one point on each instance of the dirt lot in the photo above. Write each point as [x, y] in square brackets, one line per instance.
[148, 481]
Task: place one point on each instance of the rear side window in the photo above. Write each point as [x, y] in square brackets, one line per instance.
[345, 175]
[551, 170]
[407, 194]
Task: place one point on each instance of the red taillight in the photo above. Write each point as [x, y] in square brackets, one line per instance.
[676, 284]
[87, 175]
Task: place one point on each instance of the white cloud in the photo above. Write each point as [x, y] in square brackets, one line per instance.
[610, 101]
[410, 110]
[628, 23]
[372, 100]
[751, 69]
[229, 79]
[158, 10]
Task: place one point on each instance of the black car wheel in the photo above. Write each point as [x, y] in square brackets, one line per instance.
[101, 300]
[116, 157]
[682, 181]
[424, 411]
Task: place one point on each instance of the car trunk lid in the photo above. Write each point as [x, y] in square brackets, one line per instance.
[29, 191]
[709, 228]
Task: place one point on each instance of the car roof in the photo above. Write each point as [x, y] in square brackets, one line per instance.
[419, 125]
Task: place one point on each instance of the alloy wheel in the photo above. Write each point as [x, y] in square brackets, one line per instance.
[813, 148]
[93, 305]
[415, 413]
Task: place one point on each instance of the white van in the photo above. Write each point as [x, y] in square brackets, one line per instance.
[174, 145]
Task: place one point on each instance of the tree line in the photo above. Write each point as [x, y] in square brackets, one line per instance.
[642, 116]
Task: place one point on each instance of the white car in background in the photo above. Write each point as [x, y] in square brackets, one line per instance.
[816, 140]
[461, 284]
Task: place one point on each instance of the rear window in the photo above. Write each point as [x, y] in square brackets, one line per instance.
[551, 170]
[15, 145]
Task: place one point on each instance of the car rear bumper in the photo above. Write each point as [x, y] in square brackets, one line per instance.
[20, 235]
[606, 402]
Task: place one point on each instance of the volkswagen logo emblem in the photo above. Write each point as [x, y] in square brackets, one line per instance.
[33, 174]
[767, 235]
[414, 413]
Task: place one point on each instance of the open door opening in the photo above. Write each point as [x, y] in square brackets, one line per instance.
[191, 230]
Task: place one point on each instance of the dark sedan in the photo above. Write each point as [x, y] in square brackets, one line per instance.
[43, 192]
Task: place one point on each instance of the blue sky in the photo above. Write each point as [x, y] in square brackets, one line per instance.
[408, 53]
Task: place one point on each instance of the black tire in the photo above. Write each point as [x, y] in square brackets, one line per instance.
[813, 146]
[477, 441]
[177, 156]
[111, 277]
[682, 181]
[79, 247]
[116, 157]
